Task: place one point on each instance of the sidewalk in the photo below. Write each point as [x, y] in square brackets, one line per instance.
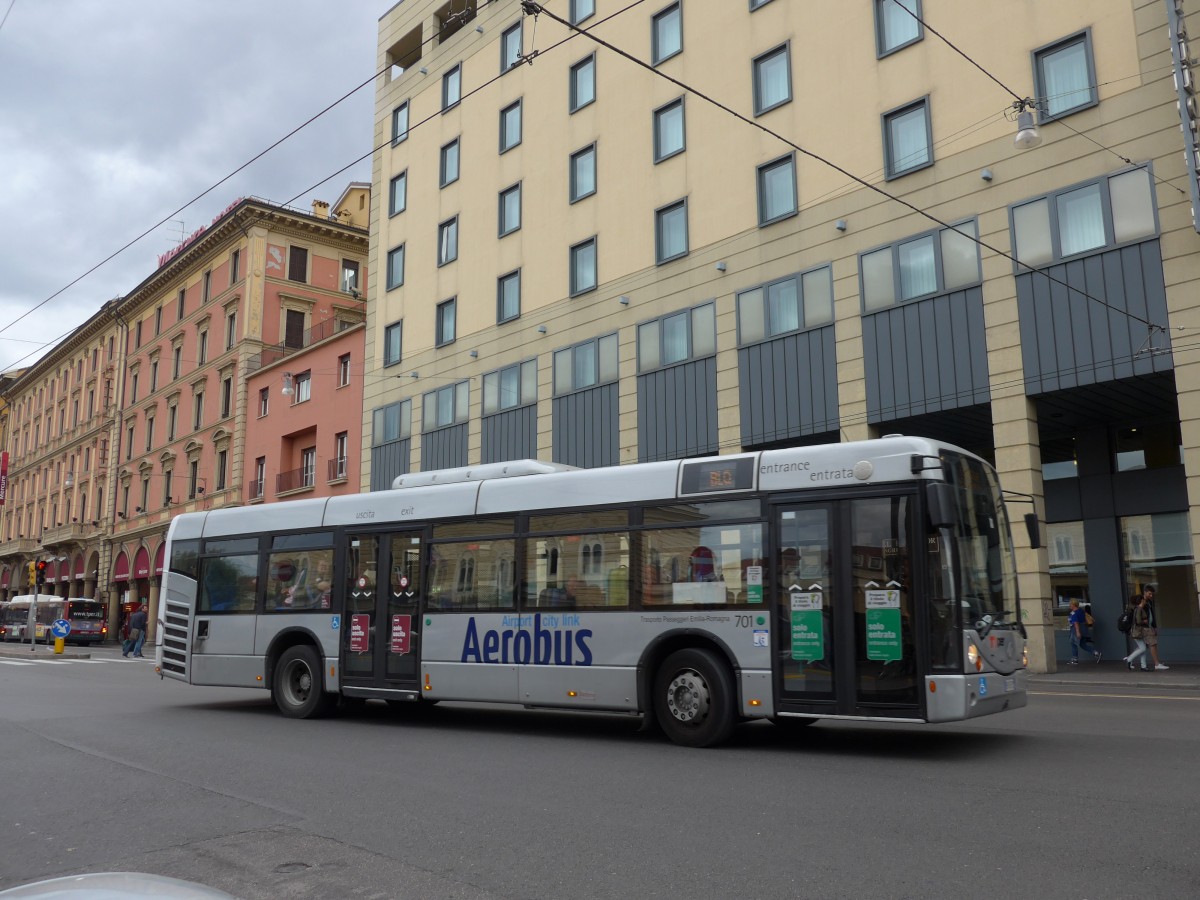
[14, 650]
[1184, 677]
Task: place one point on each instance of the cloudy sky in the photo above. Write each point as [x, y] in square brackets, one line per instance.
[115, 113]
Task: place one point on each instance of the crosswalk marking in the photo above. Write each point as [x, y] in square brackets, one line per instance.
[65, 662]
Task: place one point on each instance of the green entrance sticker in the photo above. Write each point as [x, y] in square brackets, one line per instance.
[754, 584]
[808, 626]
[883, 626]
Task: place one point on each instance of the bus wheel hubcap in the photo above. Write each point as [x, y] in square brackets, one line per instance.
[687, 697]
[301, 682]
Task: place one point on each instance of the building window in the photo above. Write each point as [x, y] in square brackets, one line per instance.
[583, 267]
[445, 407]
[395, 267]
[678, 337]
[197, 410]
[176, 360]
[222, 468]
[260, 478]
[508, 296]
[777, 190]
[907, 139]
[172, 422]
[157, 320]
[583, 83]
[309, 466]
[303, 386]
[1110, 211]
[1065, 76]
[145, 504]
[193, 480]
[582, 9]
[391, 423]
[452, 87]
[235, 267]
[179, 311]
[149, 433]
[933, 263]
[585, 365]
[206, 287]
[666, 33]
[789, 304]
[772, 79]
[137, 342]
[341, 450]
[264, 401]
[400, 123]
[398, 194]
[133, 387]
[444, 325]
[448, 168]
[447, 241]
[226, 397]
[343, 370]
[349, 276]
[510, 126]
[391, 344]
[510, 209]
[202, 348]
[298, 265]
[510, 47]
[668, 130]
[583, 173]
[230, 330]
[510, 387]
[894, 26]
[153, 375]
[166, 501]
[671, 232]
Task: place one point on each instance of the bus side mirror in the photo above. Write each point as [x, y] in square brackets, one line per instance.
[1035, 532]
[943, 508]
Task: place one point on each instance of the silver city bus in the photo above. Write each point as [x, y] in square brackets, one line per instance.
[871, 581]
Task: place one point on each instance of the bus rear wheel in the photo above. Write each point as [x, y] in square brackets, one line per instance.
[298, 688]
[694, 698]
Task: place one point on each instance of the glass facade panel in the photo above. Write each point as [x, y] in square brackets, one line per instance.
[750, 316]
[1080, 220]
[1031, 223]
[879, 286]
[818, 296]
[960, 256]
[918, 268]
[1132, 205]
[704, 331]
[608, 357]
[783, 306]
[675, 339]
[648, 346]
[1158, 552]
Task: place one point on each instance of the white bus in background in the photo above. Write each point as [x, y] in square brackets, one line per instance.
[872, 580]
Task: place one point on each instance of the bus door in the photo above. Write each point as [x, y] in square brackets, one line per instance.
[381, 625]
[844, 601]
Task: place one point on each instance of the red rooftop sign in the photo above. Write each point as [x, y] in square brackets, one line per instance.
[164, 258]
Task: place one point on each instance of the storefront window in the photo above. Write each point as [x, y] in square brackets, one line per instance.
[1058, 459]
[1158, 551]
[1068, 567]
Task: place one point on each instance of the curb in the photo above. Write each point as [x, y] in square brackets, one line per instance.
[1160, 684]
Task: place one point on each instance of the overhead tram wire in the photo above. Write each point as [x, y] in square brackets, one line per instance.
[217, 184]
[1022, 101]
[532, 7]
[526, 59]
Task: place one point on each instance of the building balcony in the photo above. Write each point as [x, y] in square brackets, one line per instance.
[19, 545]
[274, 353]
[61, 534]
[337, 469]
[254, 491]
[301, 479]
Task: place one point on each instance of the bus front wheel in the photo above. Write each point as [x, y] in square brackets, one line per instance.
[694, 698]
[298, 689]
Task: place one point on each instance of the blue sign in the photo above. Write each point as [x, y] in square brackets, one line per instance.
[61, 628]
[335, 622]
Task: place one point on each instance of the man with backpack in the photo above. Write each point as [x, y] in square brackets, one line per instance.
[1077, 623]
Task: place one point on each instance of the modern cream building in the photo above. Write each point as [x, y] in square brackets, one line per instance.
[581, 260]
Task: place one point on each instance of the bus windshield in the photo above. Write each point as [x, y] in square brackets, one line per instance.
[988, 574]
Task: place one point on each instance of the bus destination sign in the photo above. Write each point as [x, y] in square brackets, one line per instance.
[711, 476]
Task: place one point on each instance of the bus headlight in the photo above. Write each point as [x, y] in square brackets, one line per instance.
[1025, 656]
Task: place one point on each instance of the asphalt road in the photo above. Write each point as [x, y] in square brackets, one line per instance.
[1087, 793]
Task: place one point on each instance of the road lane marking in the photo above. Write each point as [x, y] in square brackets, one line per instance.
[1113, 696]
[14, 662]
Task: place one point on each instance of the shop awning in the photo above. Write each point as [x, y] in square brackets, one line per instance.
[121, 567]
[159, 556]
[141, 563]
[77, 569]
[52, 572]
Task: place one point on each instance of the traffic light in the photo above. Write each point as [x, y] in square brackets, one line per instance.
[41, 572]
[32, 574]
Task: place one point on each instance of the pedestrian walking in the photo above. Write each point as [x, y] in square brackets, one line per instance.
[1137, 633]
[1080, 635]
[137, 632]
[1151, 636]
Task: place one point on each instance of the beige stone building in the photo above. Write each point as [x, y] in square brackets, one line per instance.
[585, 261]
